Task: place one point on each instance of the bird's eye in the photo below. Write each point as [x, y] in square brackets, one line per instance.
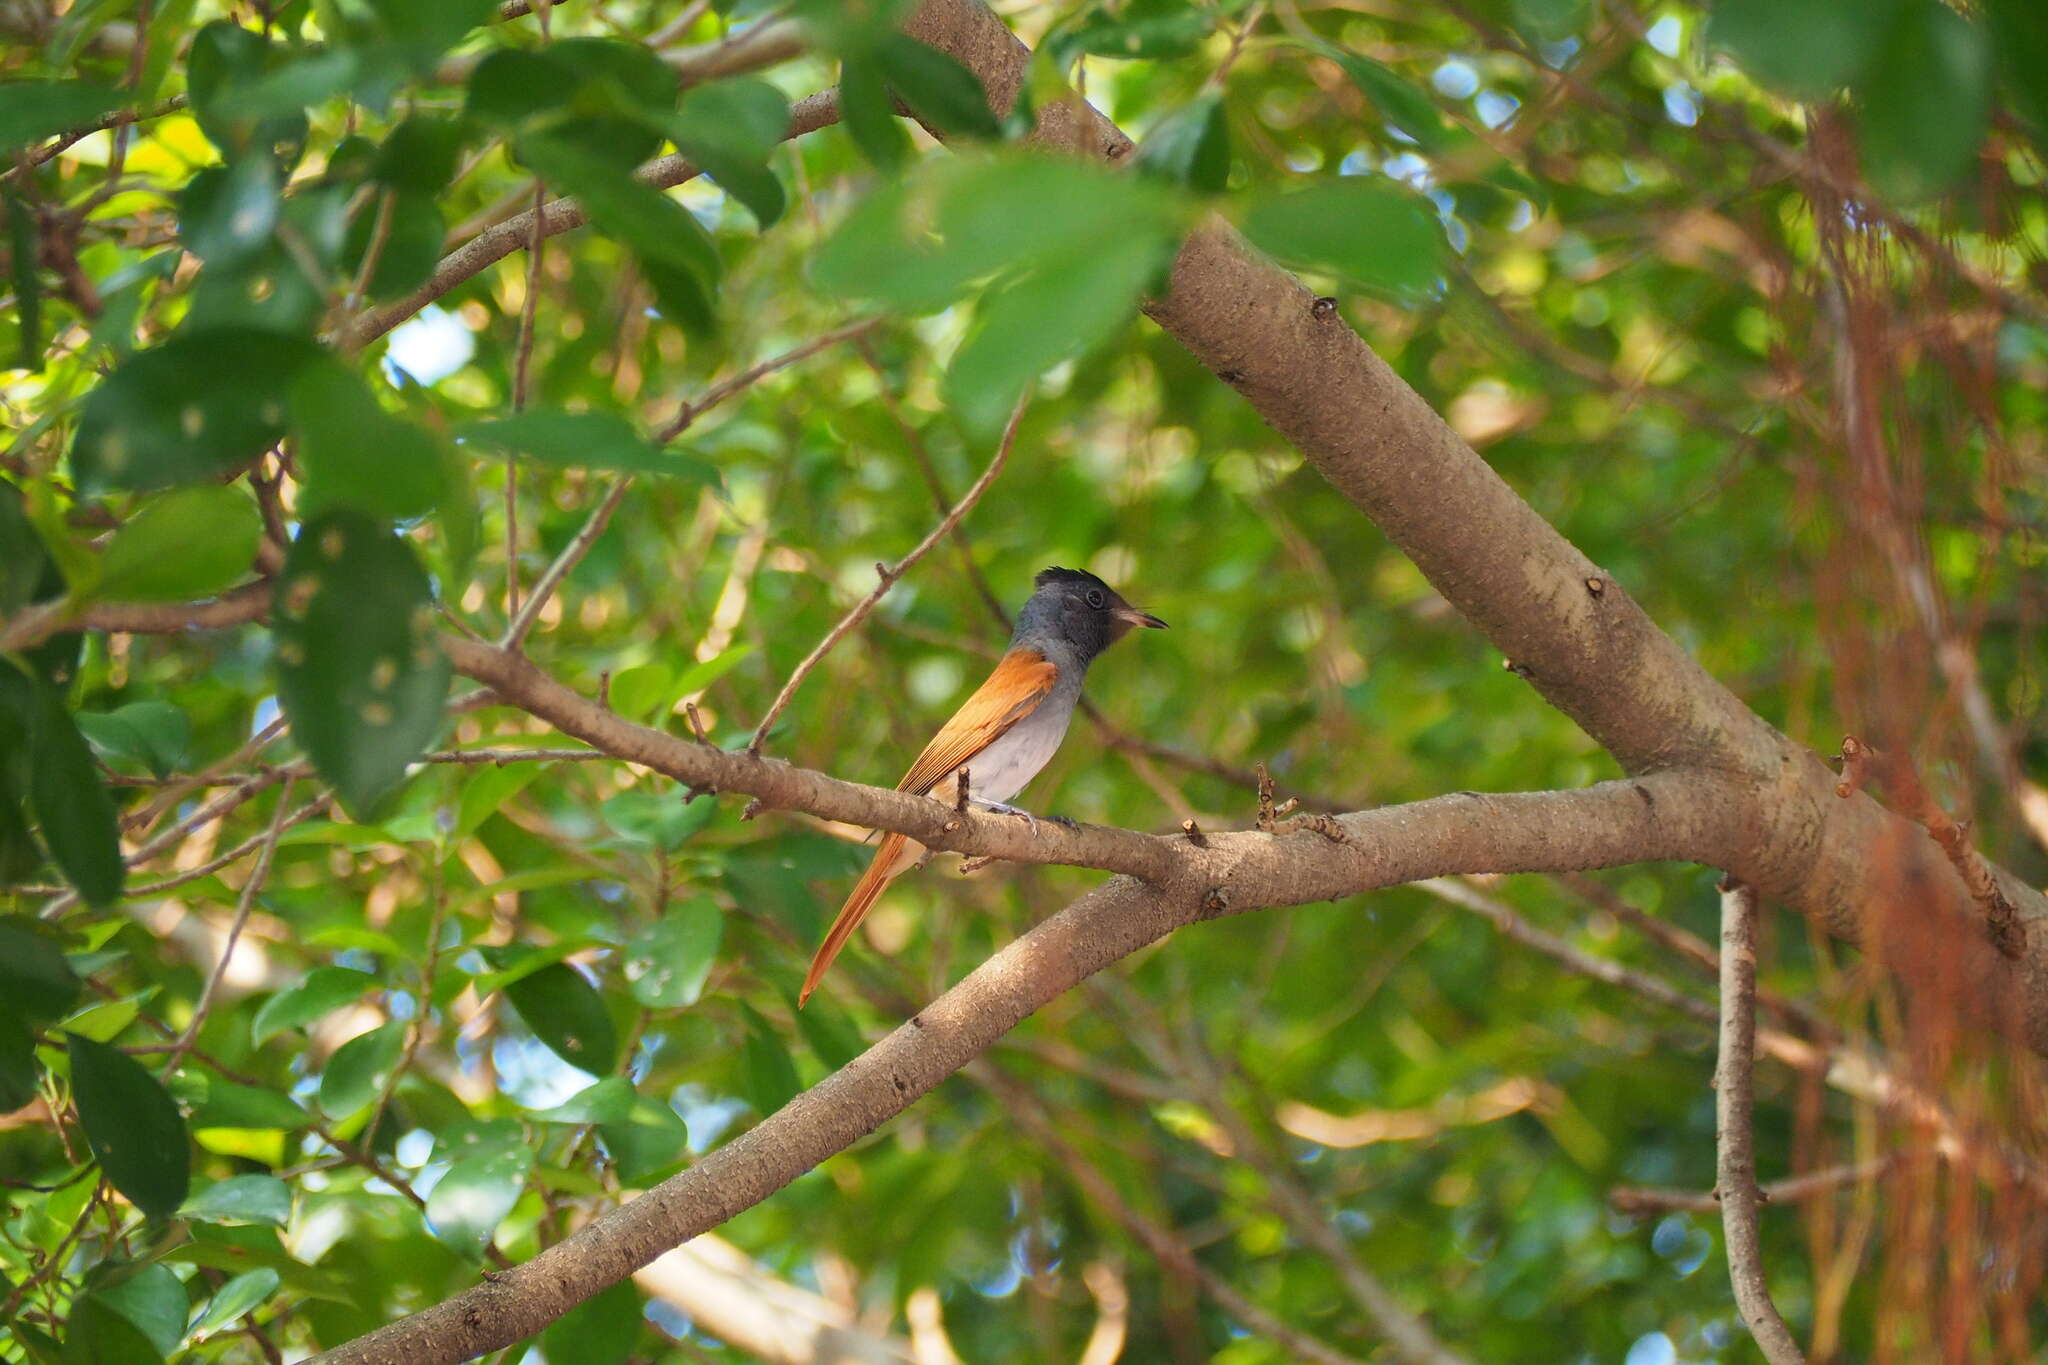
[1095, 598]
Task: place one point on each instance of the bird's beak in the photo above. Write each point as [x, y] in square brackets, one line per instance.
[1132, 616]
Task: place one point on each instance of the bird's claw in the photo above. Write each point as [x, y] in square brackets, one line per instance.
[1066, 822]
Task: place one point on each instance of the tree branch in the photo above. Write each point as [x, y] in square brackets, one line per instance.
[1735, 1165]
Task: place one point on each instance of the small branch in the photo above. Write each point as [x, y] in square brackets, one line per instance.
[888, 575]
[1735, 1098]
[689, 412]
[34, 624]
[572, 554]
[1646, 1199]
[765, 44]
[243, 904]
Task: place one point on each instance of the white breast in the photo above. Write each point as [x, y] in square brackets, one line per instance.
[1000, 771]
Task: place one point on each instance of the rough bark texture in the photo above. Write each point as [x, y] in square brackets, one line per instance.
[1869, 875]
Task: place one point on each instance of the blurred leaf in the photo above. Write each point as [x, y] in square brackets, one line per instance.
[1401, 104]
[596, 99]
[705, 672]
[730, 128]
[198, 407]
[216, 1102]
[358, 672]
[420, 154]
[133, 1126]
[405, 229]
[1153, 29]
[2019, 37]
[152, 1298]
[243, 1294]
[251, 1198]
[602, 1330]
[354, 453]
[359, 1069]
[832, 1036]
[313, 996]
[767, 1075]
[582, 440]
[1190, 147]
[870, 116]
[1806, 48]
[101, 1335]
[228, 61]
[1367, 232]
[182, 545]
[19, 1068]
[151, 734]
[649, 1144]
[1057, 312]
[35, 980]
[31, 110]
[662, 818]
[608, 1101]
[642, 690]
[24, 253]
[70, 803]
[936, 87]
[565, 1012]
[667, 963]
[481, 1185]
[1923, 105]
[486, 790]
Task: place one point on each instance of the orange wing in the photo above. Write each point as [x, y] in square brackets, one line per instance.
[1021, 681]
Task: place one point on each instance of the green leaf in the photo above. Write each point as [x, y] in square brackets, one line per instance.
[603, 100]
[582, 440]
[313, 996]
[198, 407]
[252, 1198]
[1922, 107]
[2019, 35]
[33, 110]
[410, 222]
[215, 1102]
[488, 789]
[184, 544]
[359, 1069]
[354, 453]
[565, 1011]
[608, 1101]
[132, 1125]
[938, 89]
[152, 1298]
[602, 1330]
[870, 116]
[1141, 29]
[705, 672]
[359, 674]
[239, 1296]
[649, 1144]
[226, 60]
[289, 86]
[489, 1168]
[729, 128]
[1034, 323]
[99, 1334]
[35, 980]
[22, 267]
[667, 963]
[65, 793]
[643, 690]
[1400, 104]
[1806, 48]
[654, 226]
[767, 1075]
[1190, 147]
[19, 1068]
[420, 154]
[830, 1033]
[152, 734]
[1366, 232]
[662, 819]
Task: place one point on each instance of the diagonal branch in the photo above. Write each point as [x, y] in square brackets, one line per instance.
[1612, 822]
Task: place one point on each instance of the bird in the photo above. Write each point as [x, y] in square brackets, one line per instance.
[1007, 731]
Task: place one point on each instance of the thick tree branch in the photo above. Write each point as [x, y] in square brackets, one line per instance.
[1581, 640]
[1656, 816]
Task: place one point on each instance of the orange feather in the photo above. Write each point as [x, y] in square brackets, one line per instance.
[1022, 680]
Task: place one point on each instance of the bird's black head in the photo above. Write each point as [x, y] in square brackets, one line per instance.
[1080, 609]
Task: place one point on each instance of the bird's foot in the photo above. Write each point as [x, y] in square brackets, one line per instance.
[1005, 808]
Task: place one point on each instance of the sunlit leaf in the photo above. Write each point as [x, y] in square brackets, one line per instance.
[181, 545]
[249, 1198]
[1369, 233]
[360, 1069]
[313, 996]
[668, 962]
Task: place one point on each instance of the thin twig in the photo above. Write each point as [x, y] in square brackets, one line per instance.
[888, 576]
[690, 411]
[243, 904]
[1648, 1199]
[571, 555]
[1735, 1101]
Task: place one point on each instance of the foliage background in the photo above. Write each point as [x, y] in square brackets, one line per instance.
[1798, 417]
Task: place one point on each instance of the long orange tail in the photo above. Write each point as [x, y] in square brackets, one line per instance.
[866, 892]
